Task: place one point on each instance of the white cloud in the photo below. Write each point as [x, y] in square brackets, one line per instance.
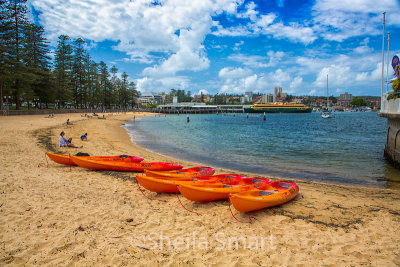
[312, 92]
[297, 81]
[233, 73]
[202, 91]
[362, 49]
[255, 61]
[295, 32]
[238, 45]
[342, 19]
[265, 25]
[250, 12]
[239, 80]
[148, 84]
[274, 57]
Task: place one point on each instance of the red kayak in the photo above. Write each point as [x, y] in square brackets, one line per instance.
[166, 185]
[205, 192]
[66, 160]
[124, 166]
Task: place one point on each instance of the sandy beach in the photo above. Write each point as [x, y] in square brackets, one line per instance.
[52, 214]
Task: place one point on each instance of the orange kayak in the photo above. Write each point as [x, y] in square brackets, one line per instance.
[166, 185]
[269, 195]
[124, 165]
[183, 173]
[66, 160]
[220, 191]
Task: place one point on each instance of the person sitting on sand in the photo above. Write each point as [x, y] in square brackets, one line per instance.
[66, 143]
[84, 137]
[68, 122]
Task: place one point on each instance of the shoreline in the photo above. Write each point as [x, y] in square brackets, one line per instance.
[299, 179]
[55, 214]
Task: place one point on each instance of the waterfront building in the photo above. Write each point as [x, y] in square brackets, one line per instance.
[346, 96]
[277, 92]
[147, 99]
[248, 96]
[375, 103]
[345, 99]
[268, 98]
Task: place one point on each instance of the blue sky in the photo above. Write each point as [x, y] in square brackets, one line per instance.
[233, 46]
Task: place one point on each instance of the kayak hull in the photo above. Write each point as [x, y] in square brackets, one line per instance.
[276, 193]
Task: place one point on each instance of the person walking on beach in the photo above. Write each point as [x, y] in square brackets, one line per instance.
[66, 143]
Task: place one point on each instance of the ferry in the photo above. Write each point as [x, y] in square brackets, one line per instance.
[278, 108]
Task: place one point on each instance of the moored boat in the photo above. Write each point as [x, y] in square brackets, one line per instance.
[183, 173]
[269, 195]
[124, 166]
[220, 191]
[66, 160]
[166, 185]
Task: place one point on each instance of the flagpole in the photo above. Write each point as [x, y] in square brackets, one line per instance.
[387, 66]
[383, 55]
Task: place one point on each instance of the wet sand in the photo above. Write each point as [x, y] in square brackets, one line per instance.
[52, 214]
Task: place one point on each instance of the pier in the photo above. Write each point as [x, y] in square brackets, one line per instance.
[198, 108]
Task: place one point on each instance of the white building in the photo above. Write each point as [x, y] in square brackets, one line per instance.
[268, 98]
[147, 99]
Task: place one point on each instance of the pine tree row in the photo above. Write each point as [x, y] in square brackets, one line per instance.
[27, 74]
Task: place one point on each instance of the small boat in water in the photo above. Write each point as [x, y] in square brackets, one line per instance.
[269, 195]
[183, 173]
[327, 114]
[124, 166]
[66, 159]
[220, 191]
[167, 185]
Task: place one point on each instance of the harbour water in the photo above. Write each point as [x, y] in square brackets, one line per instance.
[347, 149]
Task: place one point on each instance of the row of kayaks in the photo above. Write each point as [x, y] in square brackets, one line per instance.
[196, 184]
[246, 194]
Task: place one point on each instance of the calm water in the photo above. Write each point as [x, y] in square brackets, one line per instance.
[346, 149]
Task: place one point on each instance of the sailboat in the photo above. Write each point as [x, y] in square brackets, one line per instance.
[327, 114]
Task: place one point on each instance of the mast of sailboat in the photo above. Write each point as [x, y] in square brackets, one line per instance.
[327, 94]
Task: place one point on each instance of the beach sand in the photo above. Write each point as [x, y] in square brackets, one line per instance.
[52, 214]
